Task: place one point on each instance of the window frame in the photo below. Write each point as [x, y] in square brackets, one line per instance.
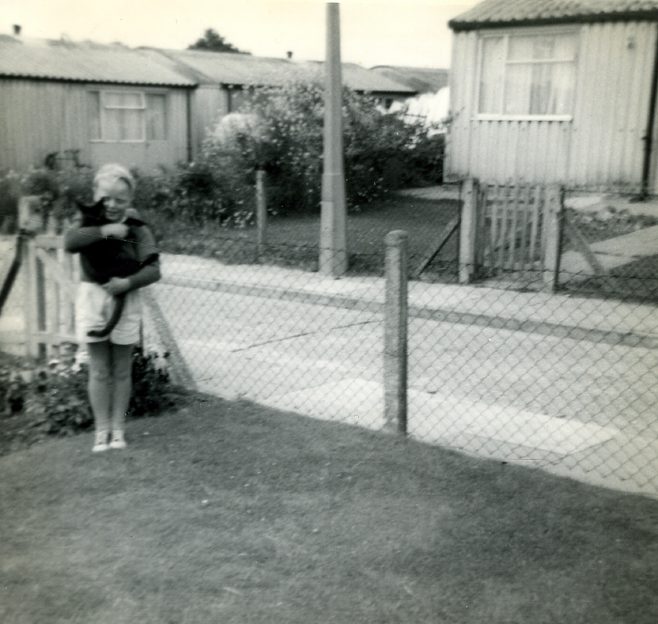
[523, 32]
[102, 94]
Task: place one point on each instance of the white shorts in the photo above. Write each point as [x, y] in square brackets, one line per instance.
[94, 307]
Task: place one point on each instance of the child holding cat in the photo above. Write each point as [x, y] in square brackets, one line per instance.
[110, 357]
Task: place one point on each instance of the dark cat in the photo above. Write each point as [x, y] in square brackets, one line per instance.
[110, 258]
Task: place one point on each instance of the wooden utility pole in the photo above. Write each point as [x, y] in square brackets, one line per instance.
[333, 222]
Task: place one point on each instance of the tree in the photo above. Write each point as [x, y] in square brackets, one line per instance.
[214, 42]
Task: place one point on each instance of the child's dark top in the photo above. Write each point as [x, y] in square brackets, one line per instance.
[102, 258]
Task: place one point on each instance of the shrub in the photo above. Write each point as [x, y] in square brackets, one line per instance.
[53, 397]
[58, 190]
[382, 151]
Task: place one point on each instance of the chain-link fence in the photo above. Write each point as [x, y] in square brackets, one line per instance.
[559, 374]
[562, 382]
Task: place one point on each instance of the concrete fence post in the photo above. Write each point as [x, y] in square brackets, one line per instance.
[468, 231]
[261, 211]
[395, 332]
[553, 251]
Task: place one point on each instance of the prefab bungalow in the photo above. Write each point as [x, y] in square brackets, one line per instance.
[420, 79]
[224, 81]
[560, 91]
[143, 107]
[104, 102]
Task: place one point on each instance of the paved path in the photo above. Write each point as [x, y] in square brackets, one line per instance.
[611, 253]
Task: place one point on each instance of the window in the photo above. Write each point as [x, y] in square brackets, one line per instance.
[524, 75]
[127, 116]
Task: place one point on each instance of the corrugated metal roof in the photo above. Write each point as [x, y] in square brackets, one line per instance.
[228, 68]
[92, 62]
[420, 79]
[361, 79]
[84, 62]
[492, 13]
[242, 69]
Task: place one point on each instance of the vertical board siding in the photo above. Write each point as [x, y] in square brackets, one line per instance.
[35, 122]
[40, 117]
[210, 103]
[600, 148]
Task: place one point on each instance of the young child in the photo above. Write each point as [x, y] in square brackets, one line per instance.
[110, 357]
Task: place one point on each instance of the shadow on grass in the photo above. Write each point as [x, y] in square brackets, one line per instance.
[233, 512]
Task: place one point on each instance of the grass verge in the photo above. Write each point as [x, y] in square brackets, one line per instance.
[232, 512]
[293, 240]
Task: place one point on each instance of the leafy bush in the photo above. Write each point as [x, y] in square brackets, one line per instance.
[53, 397]
[58, 189]
[382, 151]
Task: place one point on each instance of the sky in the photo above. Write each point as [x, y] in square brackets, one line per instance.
[373, 32]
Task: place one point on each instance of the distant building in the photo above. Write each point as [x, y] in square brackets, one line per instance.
[224, 81]
[420, 79]
[556, 91]
[431, 100]
[143, 107]
[110, 103]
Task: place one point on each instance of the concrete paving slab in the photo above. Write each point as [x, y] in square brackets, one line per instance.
[437, 418]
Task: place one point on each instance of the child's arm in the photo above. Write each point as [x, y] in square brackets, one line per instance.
[78, 237]
[148, 274]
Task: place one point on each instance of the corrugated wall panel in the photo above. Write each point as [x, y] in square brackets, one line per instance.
[210, 103]
[40, 117]
[462, 87]
[614, 76]
[35, 117]
[601, 147]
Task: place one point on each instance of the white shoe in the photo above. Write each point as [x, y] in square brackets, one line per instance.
[100, 442]
[118, 441]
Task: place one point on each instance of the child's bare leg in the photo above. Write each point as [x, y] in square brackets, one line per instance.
[99, 388]
[122, 378]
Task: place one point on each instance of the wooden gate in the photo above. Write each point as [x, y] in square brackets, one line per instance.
[51, 279]
[510, 229]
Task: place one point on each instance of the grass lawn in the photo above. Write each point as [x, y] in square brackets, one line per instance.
[293, 240]
[231, 512]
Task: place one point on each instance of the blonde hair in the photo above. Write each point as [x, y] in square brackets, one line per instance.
[113, 172]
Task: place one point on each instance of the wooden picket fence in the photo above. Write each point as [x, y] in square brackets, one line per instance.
[510, 230]
[50, 280]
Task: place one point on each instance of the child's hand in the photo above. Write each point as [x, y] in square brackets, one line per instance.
[117, 285]
[114, 230]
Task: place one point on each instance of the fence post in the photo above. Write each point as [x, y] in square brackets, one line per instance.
[468, 230]
[30, 222]
[395, 332]
[553, 250]
[261, 211]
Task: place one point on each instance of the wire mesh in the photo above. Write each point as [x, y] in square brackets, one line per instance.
[502, 367]
[562, 382]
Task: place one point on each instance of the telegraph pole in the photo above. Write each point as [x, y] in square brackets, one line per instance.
[333, 222]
